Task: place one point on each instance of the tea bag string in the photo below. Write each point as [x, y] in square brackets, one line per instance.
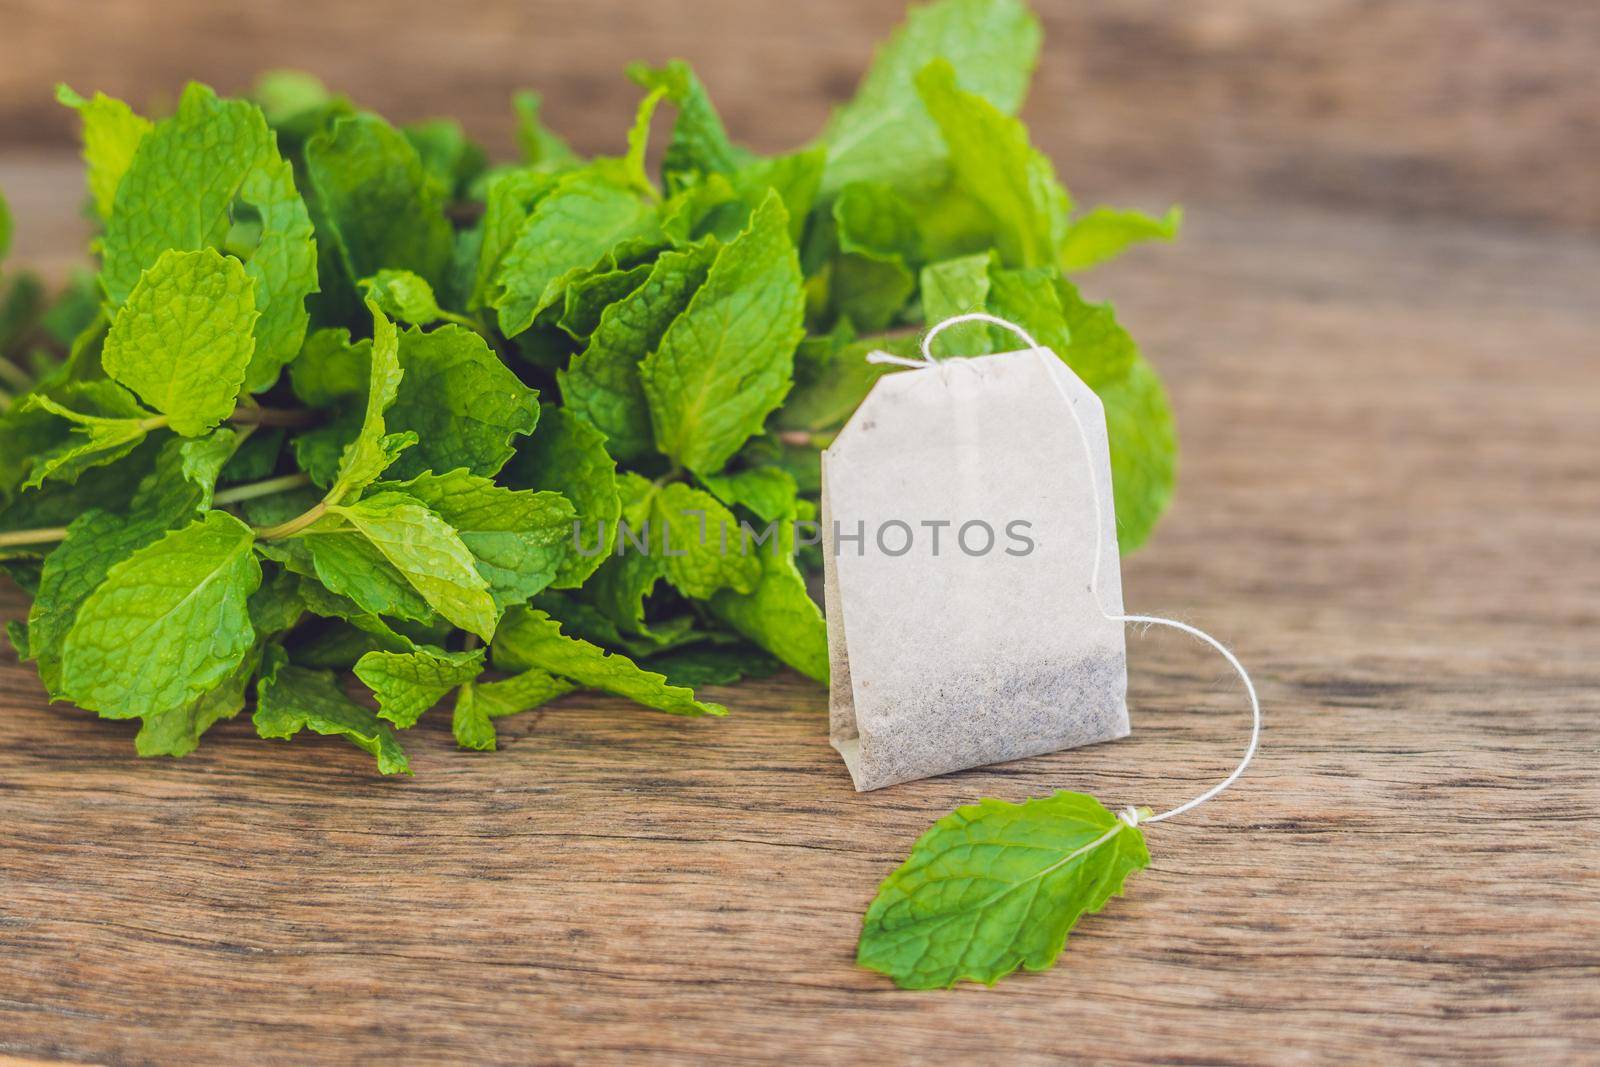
[1130, 815]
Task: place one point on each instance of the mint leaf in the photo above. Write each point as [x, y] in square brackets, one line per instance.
[188, 177]
[602, 384]
[778, 614]
[701, 543]
[176, 731]
[538, 143]
[994, 163]
[168, 623]
[373, 449]
[478, 704]
[382, 208]
[619, 587]
[182, 340]
[588, 297]
[995, 886]
[727, 361]
[531, 640]
[409, 683]
[884, 133]
[107, 424]
[428, 553]
[568, 456]
[1103, 234]
[111, 133]
[405, 296]
[518, 538]
[699, 142]
[463, 404]
[511, 198]
[1144, 450]
[587, 214]
[290, 699]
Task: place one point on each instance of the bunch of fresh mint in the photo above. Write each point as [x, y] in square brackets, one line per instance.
[340, 392]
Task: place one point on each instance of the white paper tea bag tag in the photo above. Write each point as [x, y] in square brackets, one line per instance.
[972, 583]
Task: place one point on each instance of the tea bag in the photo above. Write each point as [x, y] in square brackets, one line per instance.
[969, 621]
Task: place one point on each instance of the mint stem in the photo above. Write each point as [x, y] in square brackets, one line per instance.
[42, 536]
[15, 376]
[259, 416]
[281, 484]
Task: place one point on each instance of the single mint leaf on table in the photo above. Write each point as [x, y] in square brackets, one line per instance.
[427, 553]
[478, 704]
[1102, 234]
[727, 362]
[181, 191]
[409, 683]
[290, 699]
[381, 207]
[884, 133]
[182, 340]
[518, 537]
[568, 456]
[530, 640]
[462, 402]
[602, 385]
[111, 132]
[168, 623]
[995, 886]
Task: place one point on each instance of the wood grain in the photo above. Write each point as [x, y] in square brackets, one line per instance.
[1460, 108]
[1388, 505]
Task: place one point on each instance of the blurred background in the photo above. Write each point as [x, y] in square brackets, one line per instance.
[1480, 110]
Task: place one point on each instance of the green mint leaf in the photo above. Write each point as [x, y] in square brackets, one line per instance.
[323, 601]
[182, 340]
[568, 456]
[290, 699]
[701, 543]
[331, 368]
[639, 142]
[995, 886]
[602, 384]
[111, 133]
[519, 538]
[570, 228]
[1104, 233]
[176, 731]
[409, 683]
[531, 640]
[539, 145]
[478, 704]
[619, 587]
[884, 133]
[167, 624]
[1144, 450]
[696, 667]
[699, 142]
[423, 548]
[994, 163]
[796, 177]
[510, 199]
[348, 565]
[277, 604]
[107, 424]
[188, 179]
[448, 156]
[373, 449]
[381, 207]
[778, 614]
[403, 295]
[726, 363]
[463, 404]
[588, 297]
[955, 287]
[770, 492]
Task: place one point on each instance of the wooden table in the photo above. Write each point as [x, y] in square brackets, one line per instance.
[1389, 504]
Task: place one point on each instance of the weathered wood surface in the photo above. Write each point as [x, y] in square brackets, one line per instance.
[1468, 108]
[1389, 504]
